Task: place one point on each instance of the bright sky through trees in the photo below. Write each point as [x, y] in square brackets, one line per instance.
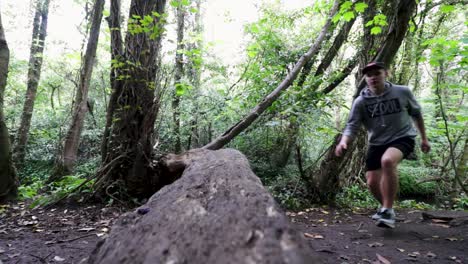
[223, 24]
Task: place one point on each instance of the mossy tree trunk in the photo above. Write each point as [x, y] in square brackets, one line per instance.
[67, 159]
[127, 166]
[34, 74]
[8, 179]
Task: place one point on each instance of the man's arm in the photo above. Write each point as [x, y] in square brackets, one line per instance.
[419, 121]
[343, 145]
[351, 129]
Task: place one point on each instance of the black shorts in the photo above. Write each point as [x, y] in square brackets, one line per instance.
[375, 153]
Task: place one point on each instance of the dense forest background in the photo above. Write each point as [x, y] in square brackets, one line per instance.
[100, 112]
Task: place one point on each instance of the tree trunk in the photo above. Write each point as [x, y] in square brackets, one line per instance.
[333, 168]
[34, 74]
[461, 167]
[193, 73]
[236, 129]
[66, 162]
[217, 212]
[116, 57]
[178, 74]
[289, 143]
[128, 163]
[8, 179]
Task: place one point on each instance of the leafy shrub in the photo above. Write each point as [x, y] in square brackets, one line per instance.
[356, 196]
[461, 203]
[288, 189]
[412, 204]
[58, 190]
[29, 191]
[410, 174]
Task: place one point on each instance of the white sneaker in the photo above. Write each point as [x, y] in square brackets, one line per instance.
[387, 219]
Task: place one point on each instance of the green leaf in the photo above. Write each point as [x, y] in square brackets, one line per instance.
[360, 7]
[376, 30]
[186, 2]
[370, 23]
[348, 16]
[106, 13]
[175, 3]
[336, 18]
[447, 8]
[254, 28]
[346, 5]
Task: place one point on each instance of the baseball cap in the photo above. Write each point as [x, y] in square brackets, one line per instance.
[373, 65]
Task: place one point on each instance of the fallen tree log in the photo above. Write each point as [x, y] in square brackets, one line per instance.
[217, 212]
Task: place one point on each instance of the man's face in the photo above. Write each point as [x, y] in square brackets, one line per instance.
[376, 77]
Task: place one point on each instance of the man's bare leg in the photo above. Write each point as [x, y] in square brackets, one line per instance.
[389, 180]
[374, 179]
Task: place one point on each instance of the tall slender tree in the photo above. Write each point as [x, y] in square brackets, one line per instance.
[128, 160]
[67, 159]
[114, 21]
[8, 179]
[181, 11]
[193, 71]
[34, 73]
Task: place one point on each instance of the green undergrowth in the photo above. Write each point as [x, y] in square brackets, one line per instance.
[34, 188]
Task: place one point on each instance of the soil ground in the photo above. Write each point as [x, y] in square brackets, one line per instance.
[69, 233]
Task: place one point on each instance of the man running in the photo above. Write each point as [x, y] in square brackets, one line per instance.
[386, 111]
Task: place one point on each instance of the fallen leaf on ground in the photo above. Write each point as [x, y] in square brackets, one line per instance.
[439, 221]
[440, 225]
[314, 236]
[86, 229]
[451, 239]
[58, 259]
[2, 250]
[431, 255]
[376, 244]
[382, 259]
[414, 254]
[401, 250]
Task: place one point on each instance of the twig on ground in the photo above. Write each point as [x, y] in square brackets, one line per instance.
[71, 239]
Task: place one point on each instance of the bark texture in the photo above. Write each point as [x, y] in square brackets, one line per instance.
[217, 212]
[66, 162]
[8, 178]
[114, 22]
[128, 163]
[34, 74]
[178, 75]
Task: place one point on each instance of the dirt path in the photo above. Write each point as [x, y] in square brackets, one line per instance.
[341, 237]
[58, 235]
[69, 234]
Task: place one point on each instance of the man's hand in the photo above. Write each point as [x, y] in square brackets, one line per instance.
[341, 148]
[425, 146]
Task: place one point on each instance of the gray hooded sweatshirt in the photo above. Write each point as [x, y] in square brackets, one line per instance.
[386, 117]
